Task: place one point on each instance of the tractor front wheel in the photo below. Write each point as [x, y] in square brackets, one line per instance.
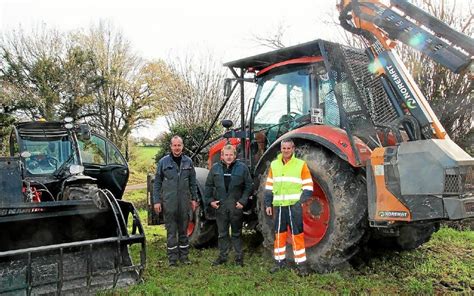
[334, 218]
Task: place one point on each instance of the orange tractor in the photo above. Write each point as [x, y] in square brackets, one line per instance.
[383, 167]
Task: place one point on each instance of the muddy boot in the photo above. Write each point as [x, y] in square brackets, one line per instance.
[302, 269]
[185, 260]
[219, 261]
[173, 263]
[279, 265]
[239, 261]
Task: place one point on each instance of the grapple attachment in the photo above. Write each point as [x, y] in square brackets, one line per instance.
[69, 246]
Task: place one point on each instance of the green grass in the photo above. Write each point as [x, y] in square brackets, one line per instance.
[444, 265]
[142, 162]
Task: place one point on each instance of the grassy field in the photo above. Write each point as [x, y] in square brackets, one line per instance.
[142, 162]
[445, 265]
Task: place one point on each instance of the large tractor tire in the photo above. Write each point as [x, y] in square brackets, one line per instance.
[202, 233]
[335, 217]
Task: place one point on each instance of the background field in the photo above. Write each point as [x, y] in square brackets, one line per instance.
[142, 161]
[445, 265]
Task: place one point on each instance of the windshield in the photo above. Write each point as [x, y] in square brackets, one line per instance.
[46, 156]
[282, 97]
[282, 103]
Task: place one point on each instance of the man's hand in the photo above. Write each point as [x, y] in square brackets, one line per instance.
[157, 208]
[269, 211]
[215, 204]
[239, 206]
[194, 205]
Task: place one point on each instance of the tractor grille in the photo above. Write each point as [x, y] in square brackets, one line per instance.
[369, 87]
[459, 183]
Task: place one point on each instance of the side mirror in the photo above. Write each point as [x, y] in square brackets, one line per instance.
[227, 87]
[84, 132]
[227, 123]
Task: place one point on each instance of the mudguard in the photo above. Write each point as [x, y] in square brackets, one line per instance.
[332, 138]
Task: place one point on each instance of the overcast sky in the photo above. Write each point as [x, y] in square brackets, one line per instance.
[160, 28]
[163, 29]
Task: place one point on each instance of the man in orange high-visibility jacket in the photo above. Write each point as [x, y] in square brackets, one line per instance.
[288, 185]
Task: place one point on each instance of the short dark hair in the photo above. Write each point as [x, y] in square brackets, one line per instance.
[176, 137]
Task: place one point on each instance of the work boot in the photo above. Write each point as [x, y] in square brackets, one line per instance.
[279, 265]
[219, 261]
[185, 261]
[239, 262]
[173, 263]
[302, 269]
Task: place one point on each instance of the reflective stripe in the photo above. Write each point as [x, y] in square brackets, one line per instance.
[268, 187]
[299, 260]
[269, 180]
[281, 257]
[279, 250]
[299, 252]
[287, 197]
[309, 180]
[307, 187]
[289, 179]
[182, 247]
[172, 248]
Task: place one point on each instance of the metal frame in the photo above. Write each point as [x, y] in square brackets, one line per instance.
[120, 240]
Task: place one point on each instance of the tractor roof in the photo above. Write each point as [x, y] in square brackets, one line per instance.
[41, 129]
[264, 60]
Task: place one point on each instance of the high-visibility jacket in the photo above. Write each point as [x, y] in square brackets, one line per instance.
[288, 180]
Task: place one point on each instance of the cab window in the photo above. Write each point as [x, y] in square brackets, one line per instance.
[114, 156]
[93, 150]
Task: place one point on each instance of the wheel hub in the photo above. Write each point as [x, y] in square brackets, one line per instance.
[314, 208]
[316, 216]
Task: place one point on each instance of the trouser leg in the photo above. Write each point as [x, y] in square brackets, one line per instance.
[236, 232]
[171, 236]
[279, 246]
[296, 225]
[183, 240]
[223, 222]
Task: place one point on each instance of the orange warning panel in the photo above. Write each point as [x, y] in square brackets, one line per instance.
[388, 207]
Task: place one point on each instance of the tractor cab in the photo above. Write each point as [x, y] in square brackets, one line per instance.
[311, 85]
[53, 151]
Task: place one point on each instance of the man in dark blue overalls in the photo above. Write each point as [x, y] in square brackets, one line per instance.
[175, 191]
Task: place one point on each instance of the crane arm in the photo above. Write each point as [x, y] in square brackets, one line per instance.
[381, 26]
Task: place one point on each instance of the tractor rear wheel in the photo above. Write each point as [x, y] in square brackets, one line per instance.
[201, 232]
[335, 217]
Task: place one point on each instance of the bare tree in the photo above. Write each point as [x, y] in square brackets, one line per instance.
[196, 93]
[92, 75]
[129, 93]
[272, 40]
[45, 73]
[449, 94]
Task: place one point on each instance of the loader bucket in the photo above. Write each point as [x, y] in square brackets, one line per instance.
[69, 247]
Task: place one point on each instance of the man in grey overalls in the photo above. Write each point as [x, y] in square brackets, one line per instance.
[175, 192]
